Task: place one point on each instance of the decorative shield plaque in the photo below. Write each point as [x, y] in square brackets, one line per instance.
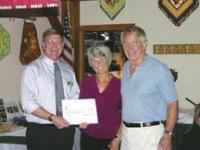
[178, 10]
[112, 7]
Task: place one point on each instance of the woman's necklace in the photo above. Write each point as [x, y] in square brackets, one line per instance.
[102, 81]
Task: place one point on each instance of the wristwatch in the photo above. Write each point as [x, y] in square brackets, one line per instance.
[168, 132]
[49, 118]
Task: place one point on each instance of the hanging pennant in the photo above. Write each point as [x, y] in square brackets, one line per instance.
[178, 10]
[30, 49]
[4, 42]
[112, 7]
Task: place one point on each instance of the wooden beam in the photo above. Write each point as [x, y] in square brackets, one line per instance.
[54, 21]
[75, 17]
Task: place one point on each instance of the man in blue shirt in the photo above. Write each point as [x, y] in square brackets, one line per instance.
[148, 96]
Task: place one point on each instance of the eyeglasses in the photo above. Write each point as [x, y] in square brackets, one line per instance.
[52, 43]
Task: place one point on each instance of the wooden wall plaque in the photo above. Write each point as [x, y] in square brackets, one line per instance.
[176, 49]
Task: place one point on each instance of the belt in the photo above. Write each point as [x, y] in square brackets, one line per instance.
[143, 124]
[46, 125]
[40, 124]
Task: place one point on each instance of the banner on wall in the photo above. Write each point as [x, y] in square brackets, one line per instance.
[178, 10]
[4, 42]
[24, 4]
[30, 49]
[112, 7]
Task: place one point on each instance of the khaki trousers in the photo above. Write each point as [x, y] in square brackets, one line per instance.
[141, 138]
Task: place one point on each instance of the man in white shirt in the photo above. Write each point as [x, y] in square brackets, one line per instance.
[46, 130]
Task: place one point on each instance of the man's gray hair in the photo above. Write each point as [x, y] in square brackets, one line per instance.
[132, 28]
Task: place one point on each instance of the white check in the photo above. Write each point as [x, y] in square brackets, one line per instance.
[78, 111]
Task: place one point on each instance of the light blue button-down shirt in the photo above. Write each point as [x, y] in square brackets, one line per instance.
[147, 91]
[38, 87]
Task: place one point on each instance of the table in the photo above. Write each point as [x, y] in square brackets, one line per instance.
[13, 140]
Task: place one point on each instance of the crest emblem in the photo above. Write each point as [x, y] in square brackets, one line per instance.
[178, 10]
[112, 7]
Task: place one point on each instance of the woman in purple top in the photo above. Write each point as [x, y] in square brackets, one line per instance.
[105, 88]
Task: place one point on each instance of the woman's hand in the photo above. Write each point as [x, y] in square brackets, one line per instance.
[83, 125]
[114, 144]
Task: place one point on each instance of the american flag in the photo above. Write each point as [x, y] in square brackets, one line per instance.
[67, 55]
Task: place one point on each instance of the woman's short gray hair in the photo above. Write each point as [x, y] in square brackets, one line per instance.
[99, 50]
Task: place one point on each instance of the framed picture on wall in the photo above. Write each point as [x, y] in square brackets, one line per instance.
[104, 34]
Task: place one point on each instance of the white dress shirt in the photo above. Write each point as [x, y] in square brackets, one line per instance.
[38, 87]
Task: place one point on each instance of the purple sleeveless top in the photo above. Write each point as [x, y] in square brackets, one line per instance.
[108, 107]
